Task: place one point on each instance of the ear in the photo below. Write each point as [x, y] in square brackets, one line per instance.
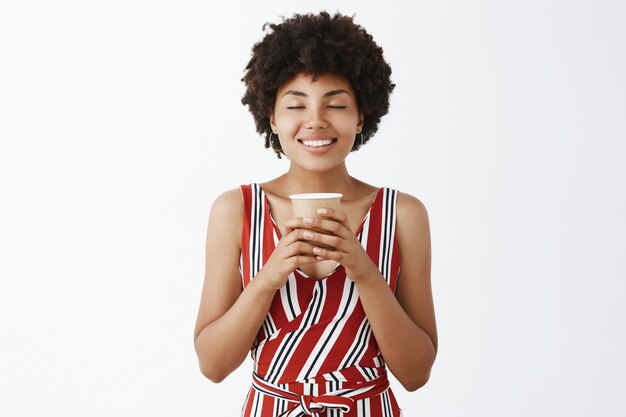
[273, 122]
[359, 125]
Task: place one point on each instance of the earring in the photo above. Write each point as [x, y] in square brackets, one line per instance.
[360, 135]
[279, 148]
[272, 140]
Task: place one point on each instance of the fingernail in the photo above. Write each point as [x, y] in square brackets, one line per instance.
[306, 220]
[317, 251]
[308, 235]
[319, 258]
[322, 211]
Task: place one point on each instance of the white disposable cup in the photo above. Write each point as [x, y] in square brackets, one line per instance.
[306, 205]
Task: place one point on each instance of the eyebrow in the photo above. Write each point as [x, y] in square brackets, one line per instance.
[330, 93]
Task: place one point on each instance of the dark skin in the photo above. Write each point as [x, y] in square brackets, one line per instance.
[356, 207]
[229, 317]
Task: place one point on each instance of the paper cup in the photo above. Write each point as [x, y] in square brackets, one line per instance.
[306, 205]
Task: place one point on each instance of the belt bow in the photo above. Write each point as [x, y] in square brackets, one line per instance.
[312, 405]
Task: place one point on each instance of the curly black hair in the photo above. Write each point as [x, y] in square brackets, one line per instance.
[314, 45]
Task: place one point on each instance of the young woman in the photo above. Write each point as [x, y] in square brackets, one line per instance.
[324, 305]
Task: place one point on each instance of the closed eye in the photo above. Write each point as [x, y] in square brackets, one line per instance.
[302, 107]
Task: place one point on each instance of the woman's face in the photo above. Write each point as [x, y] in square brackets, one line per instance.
[316, 122]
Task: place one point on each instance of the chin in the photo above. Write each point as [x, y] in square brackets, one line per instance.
[322, 166]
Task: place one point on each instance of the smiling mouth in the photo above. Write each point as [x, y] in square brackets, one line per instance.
[317, 143]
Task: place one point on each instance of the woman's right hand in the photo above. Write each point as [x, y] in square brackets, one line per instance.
[292, 251]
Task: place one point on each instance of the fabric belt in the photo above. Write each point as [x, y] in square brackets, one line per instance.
[311, 405]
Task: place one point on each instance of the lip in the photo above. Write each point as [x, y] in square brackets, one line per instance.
[316, 136]
[317, 149]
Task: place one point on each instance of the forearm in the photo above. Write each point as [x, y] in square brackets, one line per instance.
[407, 349]
[224, 343]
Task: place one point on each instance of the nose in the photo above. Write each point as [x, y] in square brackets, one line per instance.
[316, 119]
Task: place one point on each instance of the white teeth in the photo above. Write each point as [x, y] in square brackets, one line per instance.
[316, 143]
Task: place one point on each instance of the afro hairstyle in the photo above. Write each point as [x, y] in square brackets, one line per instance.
[315, 44]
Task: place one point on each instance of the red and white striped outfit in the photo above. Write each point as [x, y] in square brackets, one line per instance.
[315, 353]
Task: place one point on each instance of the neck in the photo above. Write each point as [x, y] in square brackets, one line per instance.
[337, 180]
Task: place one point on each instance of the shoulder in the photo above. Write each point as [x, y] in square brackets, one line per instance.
[412, 223]
[410, 209]
[228, 203]
[226, 212]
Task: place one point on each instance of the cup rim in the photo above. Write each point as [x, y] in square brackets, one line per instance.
[314, 196]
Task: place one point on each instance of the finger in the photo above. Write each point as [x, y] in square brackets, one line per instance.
[300, 247]
[305, 259]
[323, 239]
[333, 227]
[297, 222]
[337, 215]
[328, 254]
[289, 228]
[294, 236]
[299, 235]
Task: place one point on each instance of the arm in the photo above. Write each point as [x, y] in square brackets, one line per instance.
[404, 324]
[228, 318]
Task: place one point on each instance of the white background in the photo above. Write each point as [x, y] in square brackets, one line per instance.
[508, 122]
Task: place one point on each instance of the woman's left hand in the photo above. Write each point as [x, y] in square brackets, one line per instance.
[348, 251]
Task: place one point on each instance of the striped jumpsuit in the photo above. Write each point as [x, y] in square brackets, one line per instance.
[315, 353]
